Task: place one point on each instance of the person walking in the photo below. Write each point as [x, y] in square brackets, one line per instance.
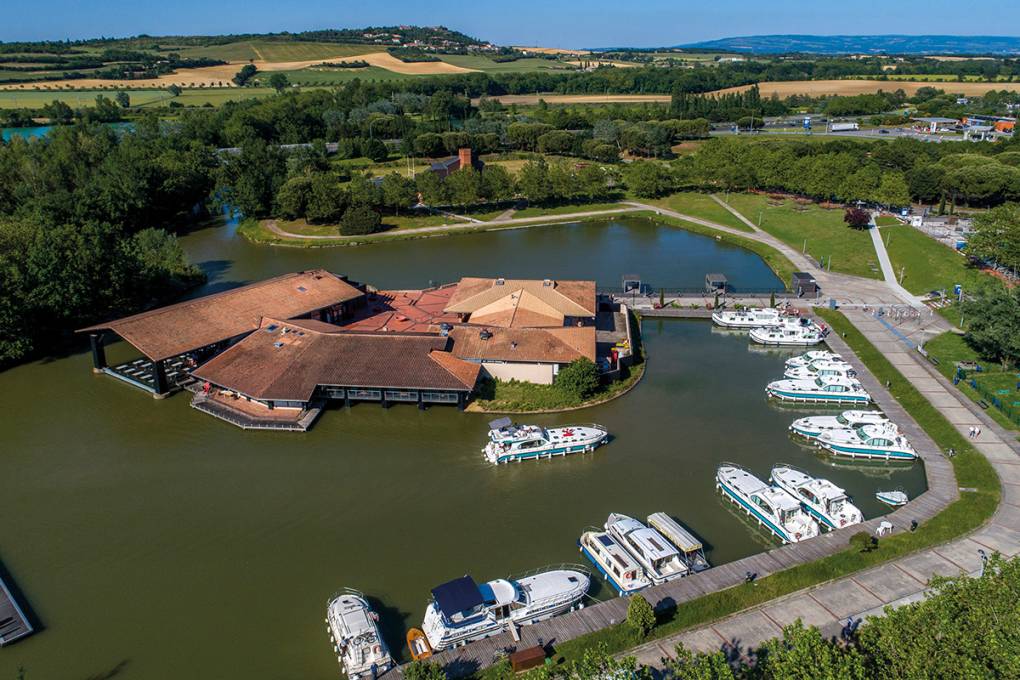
[970, 432]
[977, 432]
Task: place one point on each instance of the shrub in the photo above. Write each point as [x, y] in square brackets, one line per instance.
[580, 378]
[857, 218]
[424, 670]
[863, 541]
[359, 220]
[640, 615]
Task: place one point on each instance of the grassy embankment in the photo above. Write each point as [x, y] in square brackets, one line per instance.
[822, 231]
[973, 508]
[699, 205]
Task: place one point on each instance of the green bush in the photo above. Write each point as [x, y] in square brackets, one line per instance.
[640, 615]
[580, 378]
[359, 220]
[424, 670]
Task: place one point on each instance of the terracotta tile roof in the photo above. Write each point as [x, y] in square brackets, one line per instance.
[405, 310]
[272, 364]
[522, 302]
[547, 345]
[188, 325]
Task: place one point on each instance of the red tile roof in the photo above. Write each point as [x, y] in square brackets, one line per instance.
[271, 364]
[522, 302]
[169, 331]
[542, 345]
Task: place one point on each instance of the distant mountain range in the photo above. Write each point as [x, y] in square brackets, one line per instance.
[866, 44]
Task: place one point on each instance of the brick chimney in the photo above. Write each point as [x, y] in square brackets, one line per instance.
[465, 158]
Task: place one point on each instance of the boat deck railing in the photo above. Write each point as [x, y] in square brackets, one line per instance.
[346, 591]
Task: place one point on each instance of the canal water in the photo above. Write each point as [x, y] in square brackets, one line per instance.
[153, 541]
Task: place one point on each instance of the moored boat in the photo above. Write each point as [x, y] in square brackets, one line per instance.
[692, 552]
[812, 426]
[660, 560]
[813, 355]
[894, 498]
[418, 644]
[509, 442]
[613, 561]
[354, 631]
[830, 389]
[773, 508]
[462, 611]
[821, 368]
[823, 500]
[801, 335]
[868, 441]
[750, 317]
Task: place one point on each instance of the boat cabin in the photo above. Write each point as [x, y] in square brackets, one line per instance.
[613, 557]
[650, 547]
[777, 503]
[509, 434]
[461, 599]
[691, 550]
[825, 494]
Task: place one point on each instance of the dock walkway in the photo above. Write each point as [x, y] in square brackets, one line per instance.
[900, 581]
[942, 490]
[14, 625]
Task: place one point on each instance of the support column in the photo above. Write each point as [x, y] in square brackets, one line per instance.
[421, 403]
[382, 400]
[460, 401]
[159, 379]
[98, 352]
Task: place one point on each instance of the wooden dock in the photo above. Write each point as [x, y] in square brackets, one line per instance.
[942, 490]
[14, 625]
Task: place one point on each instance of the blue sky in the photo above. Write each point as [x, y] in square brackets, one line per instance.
[558, 23]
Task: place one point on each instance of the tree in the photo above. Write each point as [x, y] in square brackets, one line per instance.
[533, 180]
[497, 183]
[359, 220]
[433, 190]
[174, 90]
[398, 192]
[579, 379]
[648, 179]
[690, 666]
[429, 145]
[123, 99]
[892, 190]
[279, 82]
[640, 615]
[803, 654]
[374, 149]
[424, 670]
[244, 75]
[857, 218]
[996, 236]
[250, 180]
[326, 201]
[464, 186]
[292, 198]
[993, 327]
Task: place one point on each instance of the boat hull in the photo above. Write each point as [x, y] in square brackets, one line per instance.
[490, 628]
[605, 573]
[550, 452]
[819, 397]
[860, 451]
[767, 522]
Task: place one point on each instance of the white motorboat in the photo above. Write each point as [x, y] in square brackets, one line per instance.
[354, 631]
[812, 426]
[868, 441]
[692, 552]
[821, 368]
[802, 334]
[830, 389]
[509, 442]
[773, 508]
[813, 355]
[893, 498]
[750, 317]
[825, 501]
[613, 561]
[462, 611]
[660, 560]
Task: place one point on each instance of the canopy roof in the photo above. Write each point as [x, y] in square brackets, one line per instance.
[522, 302]
[169, 331]
[459, 595]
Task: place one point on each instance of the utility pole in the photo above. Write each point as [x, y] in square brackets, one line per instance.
[903, 271]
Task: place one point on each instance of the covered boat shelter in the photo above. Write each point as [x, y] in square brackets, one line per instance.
[175, 339]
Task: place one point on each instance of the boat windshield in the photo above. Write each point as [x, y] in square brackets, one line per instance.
[842, 420]
[861, 433]
[837, 504]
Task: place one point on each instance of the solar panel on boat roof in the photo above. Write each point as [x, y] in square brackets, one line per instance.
[605, 540]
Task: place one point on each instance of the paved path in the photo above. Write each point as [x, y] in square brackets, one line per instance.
[497, 223]
[897, 582]
[887, 269]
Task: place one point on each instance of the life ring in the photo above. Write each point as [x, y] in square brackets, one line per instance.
[377, 649]
[842, 522]
[797, 535]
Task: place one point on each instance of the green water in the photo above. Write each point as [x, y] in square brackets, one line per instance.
[153, 541]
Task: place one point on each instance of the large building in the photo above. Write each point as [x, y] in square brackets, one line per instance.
[271, 354]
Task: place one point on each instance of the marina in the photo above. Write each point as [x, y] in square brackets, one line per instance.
[828, 389]
[203, 486]
[777, 511]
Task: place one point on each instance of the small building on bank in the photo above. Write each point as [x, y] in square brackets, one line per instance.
[533, 355]
[465, 158]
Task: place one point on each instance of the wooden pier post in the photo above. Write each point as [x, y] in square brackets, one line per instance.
[98, 352]
[159, 380]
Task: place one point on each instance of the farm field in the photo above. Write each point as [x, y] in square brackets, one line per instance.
[273, 51]
[333, 76]
[852, 87]
[823, 230]
[480, 63]
[552, 98]
[13, 99]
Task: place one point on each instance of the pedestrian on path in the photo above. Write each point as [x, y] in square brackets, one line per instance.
[977, 432]
[970, 432]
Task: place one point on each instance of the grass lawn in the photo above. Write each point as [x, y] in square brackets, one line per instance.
[949, 348]
[541, 210]
[700, 205]
[887, 221]
[927, 264]
[823, 230]
[973, 509]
